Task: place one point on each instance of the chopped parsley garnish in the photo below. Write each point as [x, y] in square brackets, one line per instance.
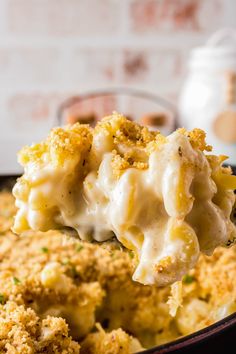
[2, 299]
[112, 254]
[44, 249]
[16, 281]
[79, 248]
[188, 279]
[131, 254]
[65, 261]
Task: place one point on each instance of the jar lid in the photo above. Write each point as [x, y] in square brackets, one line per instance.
[218, 53]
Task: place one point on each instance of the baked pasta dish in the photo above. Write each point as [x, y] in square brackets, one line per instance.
[164, 199]
[65, 296]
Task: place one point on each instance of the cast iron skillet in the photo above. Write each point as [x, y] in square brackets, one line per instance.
[218, 338]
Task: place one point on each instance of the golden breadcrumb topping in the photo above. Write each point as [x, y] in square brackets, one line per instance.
[115, 342]
[121, 163]
[125, 131]
[23, 332]
[54, 287]
[61, 144]
[197, 138]
[7, 211]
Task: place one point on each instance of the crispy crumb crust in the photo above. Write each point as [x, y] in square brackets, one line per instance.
[62, 144]
[23, 332]
[101, 284]
[115, 342]
[197, 138]
[216, 276]
[100, 278]
[125, 131]
[7, 211]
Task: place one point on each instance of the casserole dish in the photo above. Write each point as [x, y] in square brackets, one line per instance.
[216, 339]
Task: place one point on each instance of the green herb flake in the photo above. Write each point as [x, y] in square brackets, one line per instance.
[131, 254]
[2, 299]
[112, 255]
[65, 261]
[44, 249]
[16, 281]
[79, 248]
[188, 279]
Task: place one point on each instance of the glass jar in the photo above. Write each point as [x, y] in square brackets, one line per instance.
[208, 97]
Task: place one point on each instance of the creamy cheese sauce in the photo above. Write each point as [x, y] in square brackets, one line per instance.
[165, 212]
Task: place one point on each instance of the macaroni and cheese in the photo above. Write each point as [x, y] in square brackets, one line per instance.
[163, 198]
[62, 295]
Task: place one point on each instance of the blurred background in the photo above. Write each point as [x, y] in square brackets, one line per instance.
[53, 49]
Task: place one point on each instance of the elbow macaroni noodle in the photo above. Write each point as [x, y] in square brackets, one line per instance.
[162, 197]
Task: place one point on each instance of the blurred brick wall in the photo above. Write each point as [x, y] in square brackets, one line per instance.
[50, 49]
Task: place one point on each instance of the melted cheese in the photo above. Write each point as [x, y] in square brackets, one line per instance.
[162, 198]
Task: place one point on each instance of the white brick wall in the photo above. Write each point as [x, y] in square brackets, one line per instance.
[50, 49]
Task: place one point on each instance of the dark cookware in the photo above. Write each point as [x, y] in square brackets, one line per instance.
[218, 338]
